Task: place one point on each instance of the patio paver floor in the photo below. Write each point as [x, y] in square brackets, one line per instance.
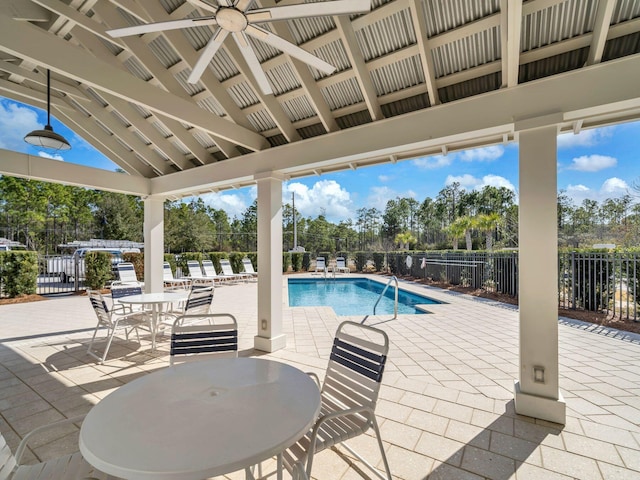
[446, 407]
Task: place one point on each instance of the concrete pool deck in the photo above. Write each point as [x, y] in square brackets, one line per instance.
[446, 406]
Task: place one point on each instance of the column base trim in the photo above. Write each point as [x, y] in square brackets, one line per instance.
[269, 344]
[543, 408]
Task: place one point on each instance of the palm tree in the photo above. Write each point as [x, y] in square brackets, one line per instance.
[456, 231]
[487, 223]
[405, 239]
[462, 226]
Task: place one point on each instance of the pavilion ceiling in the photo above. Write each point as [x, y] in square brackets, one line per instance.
[129, 97]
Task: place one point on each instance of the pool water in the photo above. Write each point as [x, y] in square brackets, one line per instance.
[352, 296]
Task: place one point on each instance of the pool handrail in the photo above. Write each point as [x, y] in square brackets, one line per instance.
[395, 305]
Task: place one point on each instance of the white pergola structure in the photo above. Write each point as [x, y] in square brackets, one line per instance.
[414, 78]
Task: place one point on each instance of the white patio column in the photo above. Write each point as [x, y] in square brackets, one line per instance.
[270, 337]
[537, 392]
[153, 243]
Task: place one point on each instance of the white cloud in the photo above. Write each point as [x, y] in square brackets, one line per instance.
[484, 154]
[611, 188]
[586, 138]
[15, 122]
[384, 178]
[614, 186]
[234, 204]
[469, 182]
[54, 156]
[592, 163]
[430, 163]
[324, 197]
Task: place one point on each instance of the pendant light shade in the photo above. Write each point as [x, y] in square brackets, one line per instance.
[47, 138]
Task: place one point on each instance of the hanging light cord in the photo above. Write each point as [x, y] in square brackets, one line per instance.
[48, 97]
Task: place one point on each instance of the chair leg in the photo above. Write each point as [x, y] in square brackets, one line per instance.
[374, 470]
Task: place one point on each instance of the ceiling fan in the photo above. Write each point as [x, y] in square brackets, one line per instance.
[235, 17]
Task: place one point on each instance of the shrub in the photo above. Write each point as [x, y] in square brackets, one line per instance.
[98, 271]
[253, 256]
[360, 261]
[286, 261]
[306, 261]
[19, 272]
[185, 257]
[296, 261]
[171, 258]
[378, 261]
[235, 258]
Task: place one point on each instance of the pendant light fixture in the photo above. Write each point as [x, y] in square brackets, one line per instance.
[47, 138]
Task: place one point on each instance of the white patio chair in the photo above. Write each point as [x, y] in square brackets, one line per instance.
[198, 337]
[127, 275]
[349, 394]
[114, 320]
[68, 467]
[170, 282]
[198, 304]
[227, 270]
[321, 266]
[248, 267]
[119, 291]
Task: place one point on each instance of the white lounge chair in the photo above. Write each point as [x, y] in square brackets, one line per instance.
[196, 275]
[248, 267]
[341, 266]
[210, 272]
[321, 266]
[227, 270]
[170, 282]
[127, 275]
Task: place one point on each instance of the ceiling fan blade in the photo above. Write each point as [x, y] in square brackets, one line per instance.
[161, 26]
[314, 9]
[215, 42]
[253, 62]
[290, 49]
[242, 5]
[211, 7]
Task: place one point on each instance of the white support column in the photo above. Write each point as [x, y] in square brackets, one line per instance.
[153, 243]
[270, 337]
[537, 392]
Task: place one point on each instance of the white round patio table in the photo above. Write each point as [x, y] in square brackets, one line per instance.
[200, 419]
[156, 301]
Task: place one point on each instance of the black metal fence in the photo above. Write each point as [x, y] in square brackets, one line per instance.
[606, 282]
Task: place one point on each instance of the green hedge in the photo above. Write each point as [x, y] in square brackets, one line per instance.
[306, 261]
[286, 261]
[215, 258]
[138, 263]
[98, 269]
[19, 272]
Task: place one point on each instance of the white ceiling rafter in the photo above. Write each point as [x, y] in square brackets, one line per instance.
[601, 29]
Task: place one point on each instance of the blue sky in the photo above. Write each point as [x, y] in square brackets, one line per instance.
[596, 164]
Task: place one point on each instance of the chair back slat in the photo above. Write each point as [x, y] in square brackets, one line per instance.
[120, 292]
[199, 300]
[203, 339]
[358, 360]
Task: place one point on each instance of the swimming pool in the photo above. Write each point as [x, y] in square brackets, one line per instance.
[352, 296]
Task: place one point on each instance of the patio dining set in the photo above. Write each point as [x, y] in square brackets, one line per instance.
[265, 408]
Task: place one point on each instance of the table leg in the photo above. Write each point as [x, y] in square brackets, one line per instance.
[154, 325]
[279, 467]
